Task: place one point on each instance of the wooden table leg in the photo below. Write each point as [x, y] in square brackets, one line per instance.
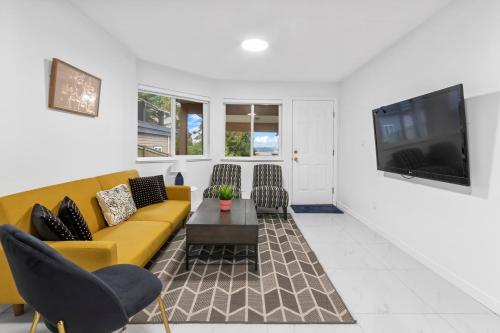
[187, 256]
[18, 309]
[256, 258]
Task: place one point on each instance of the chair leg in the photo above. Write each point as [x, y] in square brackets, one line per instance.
[18, 309]
[285, 216]
[34, 324]
[164, 314]
[60, 327]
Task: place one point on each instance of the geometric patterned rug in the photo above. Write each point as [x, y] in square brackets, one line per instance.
[290, 286]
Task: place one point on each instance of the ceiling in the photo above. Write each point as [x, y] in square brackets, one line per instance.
[309, 40]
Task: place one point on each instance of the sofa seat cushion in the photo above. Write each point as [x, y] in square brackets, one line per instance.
[269, 196]
[172, 211]
[136, 241]
[135, 287]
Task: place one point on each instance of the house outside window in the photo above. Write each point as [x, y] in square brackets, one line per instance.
[253, 130]
[169, 126]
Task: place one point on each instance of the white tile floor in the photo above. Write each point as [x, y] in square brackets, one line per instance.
[386, 290]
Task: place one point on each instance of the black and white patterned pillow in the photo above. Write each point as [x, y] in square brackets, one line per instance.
[145, 191]
[72, 218]
[49, 226]
[161, 182]
[116, 204]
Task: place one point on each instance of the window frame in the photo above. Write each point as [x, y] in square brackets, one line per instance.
[174, 95]
[252, 157]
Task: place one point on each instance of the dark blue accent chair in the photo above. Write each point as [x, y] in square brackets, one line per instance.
[68, 298]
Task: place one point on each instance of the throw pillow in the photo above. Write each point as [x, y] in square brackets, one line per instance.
[145, 191]
[116, 204]
[49, 226]
[72, 218]
[163, 190]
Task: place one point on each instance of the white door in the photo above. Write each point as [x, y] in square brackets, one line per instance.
[312, 163]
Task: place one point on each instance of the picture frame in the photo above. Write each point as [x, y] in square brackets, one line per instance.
[73, 90]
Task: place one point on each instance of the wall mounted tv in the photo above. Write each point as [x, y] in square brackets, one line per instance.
[424, 137]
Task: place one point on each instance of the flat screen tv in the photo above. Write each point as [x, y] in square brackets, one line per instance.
[424, 137]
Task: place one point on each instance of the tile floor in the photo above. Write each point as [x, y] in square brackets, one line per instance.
[386, 290]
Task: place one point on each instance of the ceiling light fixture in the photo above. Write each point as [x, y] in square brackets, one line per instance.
[255, 45]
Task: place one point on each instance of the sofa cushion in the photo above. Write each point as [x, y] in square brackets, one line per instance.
[172, 211]
[136, 241]
[117, 204]
[145, 191]
[72, 218]
[49, 226]
[163, 189]
[16, 208]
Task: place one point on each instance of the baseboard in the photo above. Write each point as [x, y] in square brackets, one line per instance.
[492, 303]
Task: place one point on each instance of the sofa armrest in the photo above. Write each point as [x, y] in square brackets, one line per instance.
[90, 255]
[8, 289]
[182, 193]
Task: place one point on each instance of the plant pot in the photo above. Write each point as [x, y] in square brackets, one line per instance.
[225, 205]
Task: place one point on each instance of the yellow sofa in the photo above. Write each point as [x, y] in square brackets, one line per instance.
[132, 242]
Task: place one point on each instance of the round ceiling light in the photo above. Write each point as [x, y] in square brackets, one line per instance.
[255, 45]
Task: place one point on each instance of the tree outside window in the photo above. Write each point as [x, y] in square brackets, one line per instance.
[156, 121]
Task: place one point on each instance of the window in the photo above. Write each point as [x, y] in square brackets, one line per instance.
[170, 125]
[154, 125]
[252, 130]
[189, 128]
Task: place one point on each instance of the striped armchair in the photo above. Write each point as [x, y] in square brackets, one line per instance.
[224, 174]
[268, 188]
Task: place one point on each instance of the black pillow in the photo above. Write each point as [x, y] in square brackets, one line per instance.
[145, 191]
[72, 218]
[163, 190]
[49, 226]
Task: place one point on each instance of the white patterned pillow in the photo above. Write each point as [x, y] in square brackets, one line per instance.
[116, 204]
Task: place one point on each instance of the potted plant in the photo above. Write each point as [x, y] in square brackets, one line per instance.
[225, 195]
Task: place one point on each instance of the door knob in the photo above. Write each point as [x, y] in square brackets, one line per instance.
[296, 159]
[295, 152]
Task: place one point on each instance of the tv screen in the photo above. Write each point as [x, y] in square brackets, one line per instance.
[424, 137]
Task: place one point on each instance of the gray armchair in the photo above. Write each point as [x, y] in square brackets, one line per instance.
[68, 298]
[268, 188]
[224, 174]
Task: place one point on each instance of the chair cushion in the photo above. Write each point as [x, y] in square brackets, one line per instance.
[269, 196]
[136, 241]
[72, 218]
[117, 204]
[267, 175]
[49, 226]
[172, 211]
[213, 192]
[135, 287]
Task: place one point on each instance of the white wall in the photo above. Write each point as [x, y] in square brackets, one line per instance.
[40, 146]
[198, 173]
[455, 234]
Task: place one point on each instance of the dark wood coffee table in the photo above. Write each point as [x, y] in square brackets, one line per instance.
[210, 226]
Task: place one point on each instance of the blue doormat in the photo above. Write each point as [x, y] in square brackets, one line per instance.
[332, 209]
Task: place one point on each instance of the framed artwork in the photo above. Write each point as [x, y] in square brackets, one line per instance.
[73, 90]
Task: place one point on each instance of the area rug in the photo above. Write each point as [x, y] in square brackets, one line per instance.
[290, 286]
[328, 208]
